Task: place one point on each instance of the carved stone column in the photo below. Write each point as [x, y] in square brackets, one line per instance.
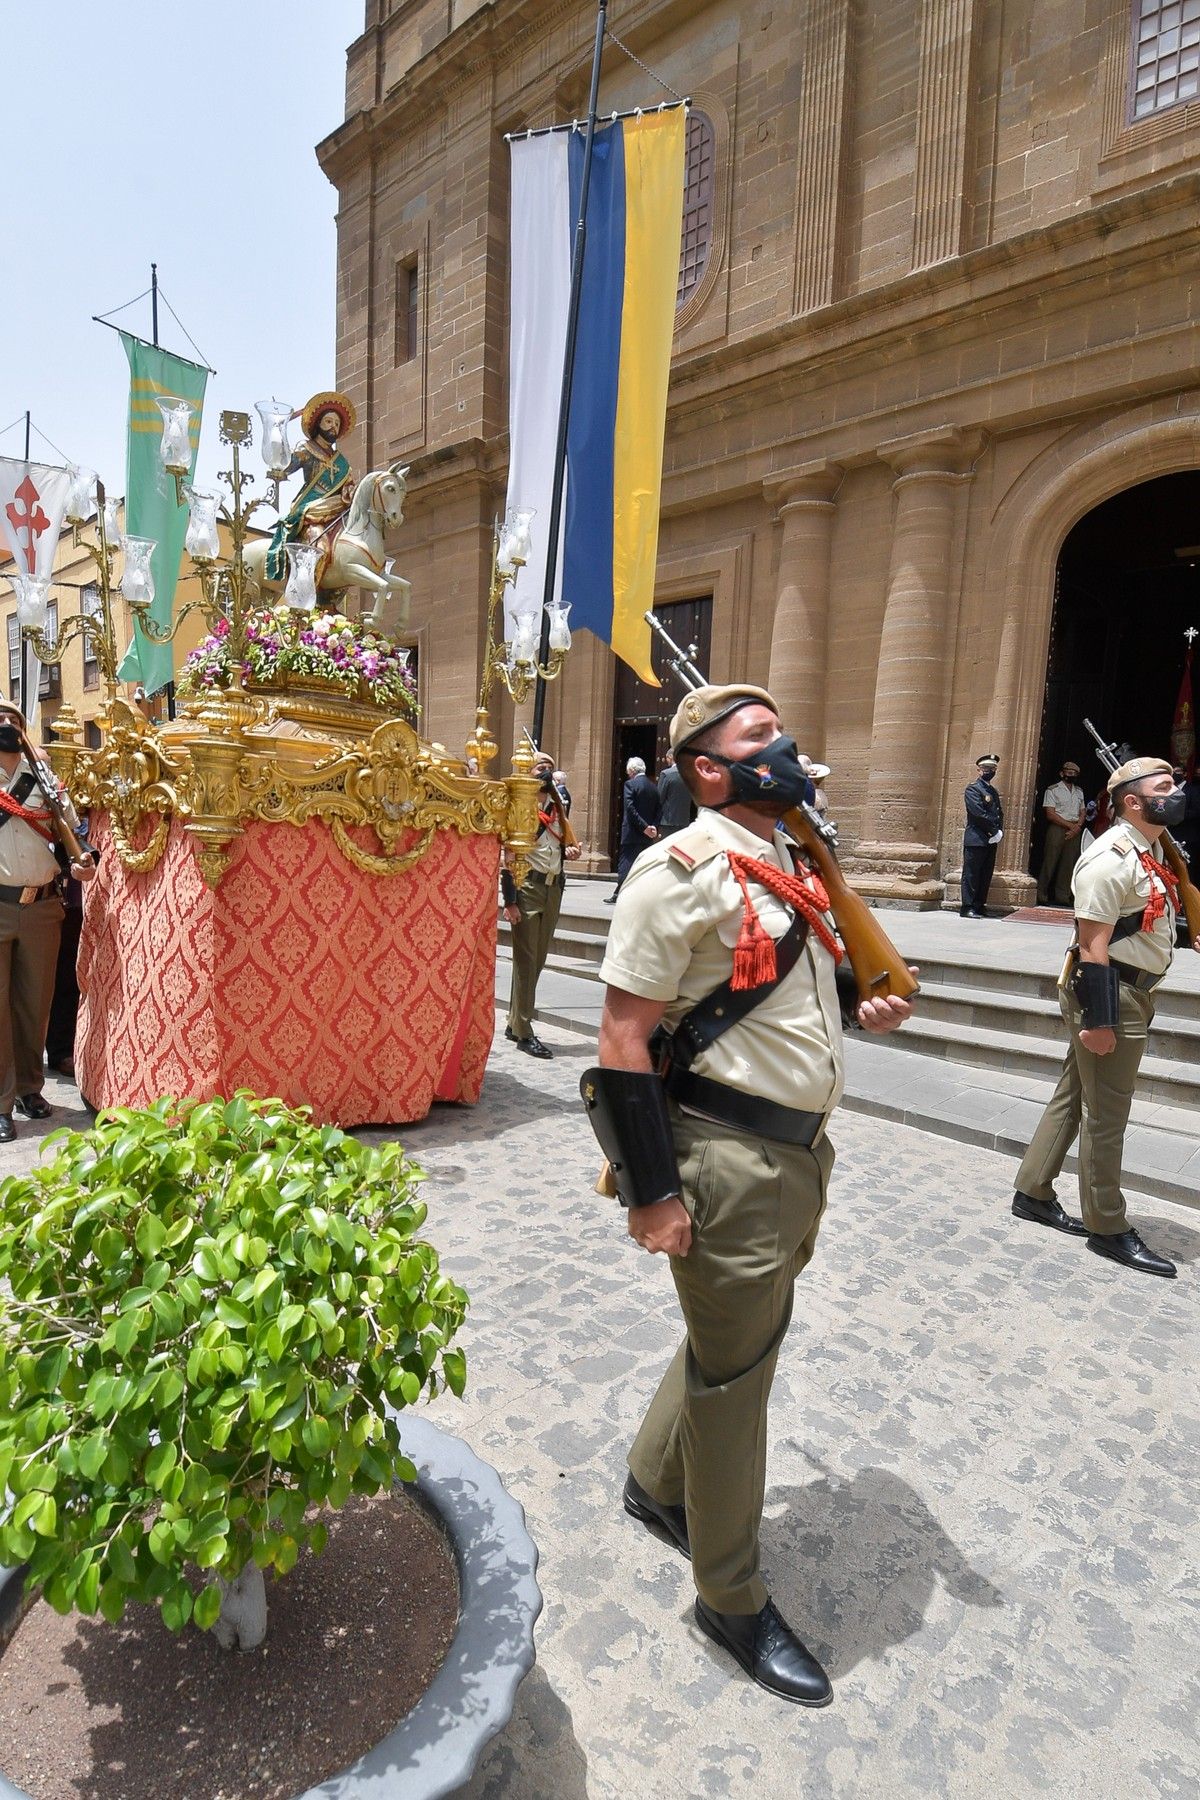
[897, 856]
[826, 71]
[944, 99]
[799, 639]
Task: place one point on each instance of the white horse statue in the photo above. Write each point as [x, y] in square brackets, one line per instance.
[357, 557]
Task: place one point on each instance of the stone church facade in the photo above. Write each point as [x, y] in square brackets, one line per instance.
[940, 301]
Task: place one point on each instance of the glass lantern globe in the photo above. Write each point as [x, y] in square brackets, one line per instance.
[515, 543]
[81, 497]
[560, 631]
[301, 590]
[137, 580]
[525, 640]
[175, 447]
[276, 451]
[202, 542]
[112, 524]
[33, 594]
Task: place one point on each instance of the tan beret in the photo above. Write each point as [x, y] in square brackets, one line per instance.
[705, 705]
[1137, 769]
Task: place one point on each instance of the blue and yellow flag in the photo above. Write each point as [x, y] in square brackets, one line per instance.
[151, 510]
[622, 366]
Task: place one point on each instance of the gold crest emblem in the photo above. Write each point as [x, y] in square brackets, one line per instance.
[693, 711]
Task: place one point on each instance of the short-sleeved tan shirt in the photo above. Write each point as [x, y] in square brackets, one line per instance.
[1110, 881]
[672, 938]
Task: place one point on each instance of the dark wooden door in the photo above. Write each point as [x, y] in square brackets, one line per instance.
[642, 714]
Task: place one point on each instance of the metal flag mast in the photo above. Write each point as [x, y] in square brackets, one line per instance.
[564, 405]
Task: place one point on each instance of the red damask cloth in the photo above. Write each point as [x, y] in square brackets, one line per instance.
[366, 997]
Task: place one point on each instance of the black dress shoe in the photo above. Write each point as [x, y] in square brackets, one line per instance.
[509, 1034]
[1047, 1212]
[770, 1652]
[8, 1130]
[533, 1046]
[32, 1106]
[673, 1519]
[1127, 1247]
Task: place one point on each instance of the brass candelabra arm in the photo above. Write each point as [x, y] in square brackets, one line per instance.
[164, 634]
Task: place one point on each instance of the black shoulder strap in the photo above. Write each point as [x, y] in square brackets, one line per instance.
[727, 1006]
[22, 787]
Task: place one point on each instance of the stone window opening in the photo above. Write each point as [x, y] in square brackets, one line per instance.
[408, 310]
[699, 191]
[90, 607]
[1165, 55]
[14, 657]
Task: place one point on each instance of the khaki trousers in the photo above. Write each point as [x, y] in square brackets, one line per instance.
[755, 1209]
[28, 958]
[1058, 865]
[1091, 1102]
[540, 900]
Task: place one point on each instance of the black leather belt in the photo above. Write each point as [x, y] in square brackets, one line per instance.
[743, 1112]
[1145, 979]
[25, 896]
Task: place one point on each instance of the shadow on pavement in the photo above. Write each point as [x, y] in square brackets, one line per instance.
[1170, 1238]
[855, 1564]
[537, 1756]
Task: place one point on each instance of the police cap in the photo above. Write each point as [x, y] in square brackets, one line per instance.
[705, 706]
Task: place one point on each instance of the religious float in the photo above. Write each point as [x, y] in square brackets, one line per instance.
[297, 892]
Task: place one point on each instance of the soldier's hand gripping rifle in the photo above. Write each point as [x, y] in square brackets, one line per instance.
[1112, 756]
[76, 852]
[879, 969]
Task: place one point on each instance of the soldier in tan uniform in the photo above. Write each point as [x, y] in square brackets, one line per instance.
[721, 1061]
[31, 914]
[532, 909]
[1126, 902]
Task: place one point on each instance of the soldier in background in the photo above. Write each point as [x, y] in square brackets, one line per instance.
[532, 909]
[1064, 806]
[1126, 902]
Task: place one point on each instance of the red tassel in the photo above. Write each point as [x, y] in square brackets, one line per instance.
[754, 961]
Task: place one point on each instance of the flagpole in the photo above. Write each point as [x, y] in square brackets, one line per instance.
[564, 405]
[24, 691]
[170, 687]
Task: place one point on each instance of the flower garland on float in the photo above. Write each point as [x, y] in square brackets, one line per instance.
[327, 646]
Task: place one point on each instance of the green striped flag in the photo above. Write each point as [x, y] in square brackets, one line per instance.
[150, 506]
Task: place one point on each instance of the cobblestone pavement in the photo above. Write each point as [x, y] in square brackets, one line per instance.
[982, 1482]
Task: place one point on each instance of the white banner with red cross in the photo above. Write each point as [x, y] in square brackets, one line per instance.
[33, 500]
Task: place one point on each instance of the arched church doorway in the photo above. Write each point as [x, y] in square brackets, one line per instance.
[1127, 588]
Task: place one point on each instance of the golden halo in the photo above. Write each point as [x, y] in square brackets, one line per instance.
[328, 402]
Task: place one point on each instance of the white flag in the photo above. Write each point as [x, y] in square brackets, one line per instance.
[33, 500]
[540, 289]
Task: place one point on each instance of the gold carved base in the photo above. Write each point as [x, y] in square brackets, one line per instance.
[286, 755]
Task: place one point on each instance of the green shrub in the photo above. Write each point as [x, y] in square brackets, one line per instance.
[203, 1311]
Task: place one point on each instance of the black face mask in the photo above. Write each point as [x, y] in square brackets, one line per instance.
[1164, 809]
[8, 738]
[771, 774]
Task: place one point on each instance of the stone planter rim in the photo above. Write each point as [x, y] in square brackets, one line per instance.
[434, 1750]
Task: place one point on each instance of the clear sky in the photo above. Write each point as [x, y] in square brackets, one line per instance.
[166, 131]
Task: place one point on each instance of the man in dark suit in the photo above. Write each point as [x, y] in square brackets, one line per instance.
[641, 809]
[985, 828]
[677, 809]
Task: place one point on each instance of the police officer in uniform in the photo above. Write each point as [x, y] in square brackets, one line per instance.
[721, 1061]
[31, 914]
[985, 828]
[1126, 901]
[532, 909]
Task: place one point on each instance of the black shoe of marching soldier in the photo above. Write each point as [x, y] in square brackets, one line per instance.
[1047, 1212]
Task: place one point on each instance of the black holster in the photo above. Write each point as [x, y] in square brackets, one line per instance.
[627, 1110]
[1097, 988]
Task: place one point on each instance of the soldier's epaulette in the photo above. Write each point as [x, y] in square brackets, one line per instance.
[1122, 844]
[692, 846]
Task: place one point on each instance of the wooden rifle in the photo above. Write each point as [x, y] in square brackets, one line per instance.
[64, 831]
[1111, 755]
[879, 969]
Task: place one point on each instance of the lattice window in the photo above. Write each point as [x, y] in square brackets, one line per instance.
[698, 195]
[14, 657]
[50, 674]
[1166, 55]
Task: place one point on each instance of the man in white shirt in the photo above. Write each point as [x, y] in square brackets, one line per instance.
[1063, 804]
[31, 915]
